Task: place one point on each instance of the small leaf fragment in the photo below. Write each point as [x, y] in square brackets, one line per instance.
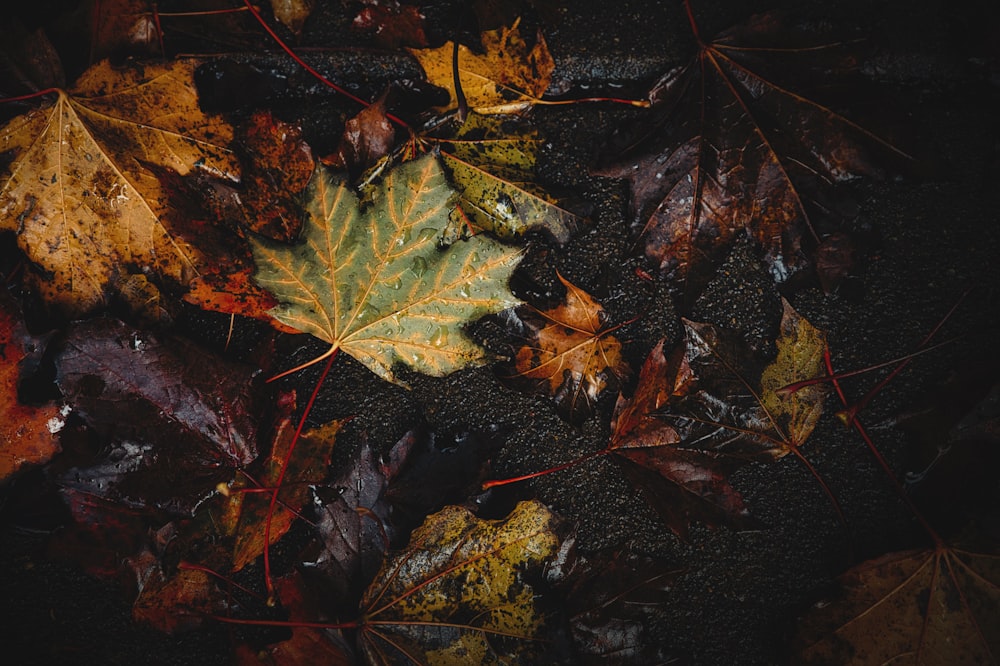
[800, 357]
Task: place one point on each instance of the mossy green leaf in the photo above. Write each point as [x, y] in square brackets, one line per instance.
[493, 165]
[375, 281]
[459, 593]
[800, 357]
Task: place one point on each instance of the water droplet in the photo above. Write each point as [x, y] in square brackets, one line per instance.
[426, 234]
[440, 337]
[396, 283]
[418, 266]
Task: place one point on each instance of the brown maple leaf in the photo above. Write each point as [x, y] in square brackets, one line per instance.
[682, 484]
[84, 188]
[570, 352]
[747, 155]
[927, 606]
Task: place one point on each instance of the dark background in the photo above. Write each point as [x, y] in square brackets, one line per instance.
[928, 241]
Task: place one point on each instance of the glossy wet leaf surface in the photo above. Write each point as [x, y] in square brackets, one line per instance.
[460, 592]
[569, 352]
[374, 281]
[82, 191]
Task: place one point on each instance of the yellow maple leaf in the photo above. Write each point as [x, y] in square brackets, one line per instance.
[82, 190]
[508, 78]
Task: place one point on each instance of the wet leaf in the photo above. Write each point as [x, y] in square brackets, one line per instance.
[683, 485]
[354, 529]
[83, 193]
[570, 353]
[460, 591]
[307, 645]
[27, 433]
[293, 13]
[932, 606]
[277, 166]
[179, 416]
[509, 77]
[735, 407]
[367, 138]
[235, 293]
[122, 28]
[800, 357]
[492, 165]
[375, 283]
[611, 600]
[245, 514]
[731, 150]
[175, 604]
[375, 503]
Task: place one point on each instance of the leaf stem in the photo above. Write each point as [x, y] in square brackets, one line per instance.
[789, 389]
[558, 468]
[883, 463]
[325, 81]
[268, 580]
[21, 98]
[693, 23]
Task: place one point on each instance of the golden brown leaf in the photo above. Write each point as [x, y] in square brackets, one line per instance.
[800, 357]
[508, 78]
[570, 352]
[930, 607]
[83, 194]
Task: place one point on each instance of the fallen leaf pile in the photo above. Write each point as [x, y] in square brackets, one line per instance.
[166, 263]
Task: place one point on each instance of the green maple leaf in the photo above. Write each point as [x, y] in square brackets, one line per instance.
[375, 282]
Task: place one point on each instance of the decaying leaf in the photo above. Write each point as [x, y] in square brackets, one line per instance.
[460, 592]
[178, 603]
[683, 485]
[178, 417]
[570, 352]
[376, 284]
[707, 407]
[83, 193]
[244, 515]
[292, 13]
[27, 433]
[746, 155]
[492, 165]
[307, 645]
[611, 599]
[800, 357]
[367, 138]
[508, 78]
[123, 28]
[736, 407]
[277, 165]
[933, 606]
